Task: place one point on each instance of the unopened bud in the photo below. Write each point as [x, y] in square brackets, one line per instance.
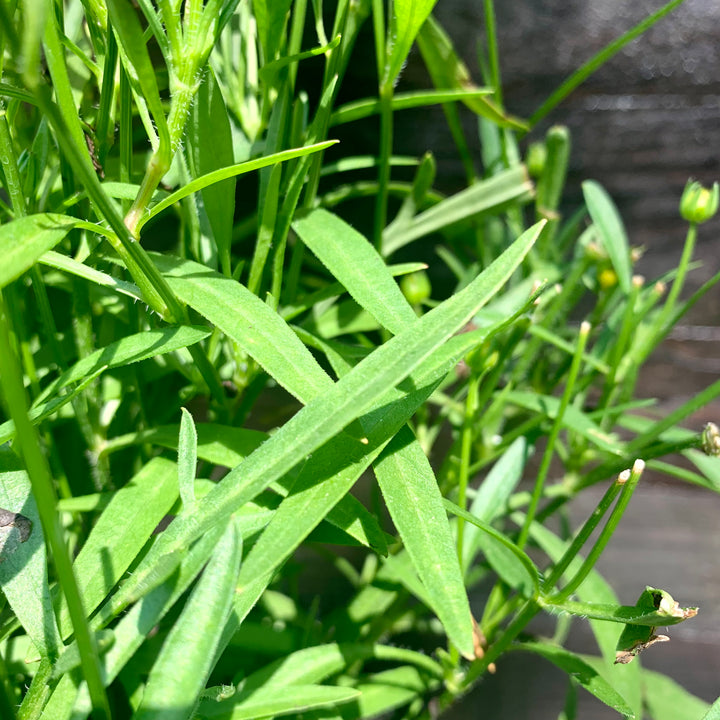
[416, 287]
[607, 278]
[535, 160]
[698, 204]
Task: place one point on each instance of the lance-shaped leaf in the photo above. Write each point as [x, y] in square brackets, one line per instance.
[448, 71]
[606, 219]
[186, 658]
[330, 412]
[415, 504]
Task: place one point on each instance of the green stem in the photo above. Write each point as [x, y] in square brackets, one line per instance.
[555, 431]
[385, 151]
[623, 341]
[44, 493]
[465, 450]
[103, 131]
[582, 537]
[492, 50]
[661, 324]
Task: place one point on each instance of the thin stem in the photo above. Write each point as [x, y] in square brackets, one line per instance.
[44, 493]
[581, 538]
[629, 481]
[492, 49]
[125, 127]
[661, 325]
[103, 134]
[465, 450]
[552, 438]
[385, 151]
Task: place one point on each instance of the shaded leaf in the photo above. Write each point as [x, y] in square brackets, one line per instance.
[120, 533]
[24, 240]
[211, 148]
[23, 577]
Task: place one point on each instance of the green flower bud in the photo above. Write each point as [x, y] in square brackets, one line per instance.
[698, 204]
[416, 287]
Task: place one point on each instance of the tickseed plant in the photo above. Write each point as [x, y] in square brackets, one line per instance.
[201, 356]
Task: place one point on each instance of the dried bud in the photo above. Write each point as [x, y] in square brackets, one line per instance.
[698, 204]
[711, 440]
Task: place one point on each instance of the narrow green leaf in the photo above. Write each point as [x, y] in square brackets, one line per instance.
[582, 672]
[24, 240]
[357, 265]
[137, 63]
[486, 197]
[210, 148]
[120, 534]
[315, 664]
[268, 702]
[142, 620]
[506, 558]
[125, 351]
[45, 410]
[608, 222]
[448, 71]
[494, 492]
[712, 714]
[187, 655]
[271, 17]
[324, 479]
[242, 316]
[228, 172]
[187, 459]
[67, 264]
[415, 504]
[409, 15]
[391, 689]
[331, 411]
[573, 419]
[227, 446]
[218, 444]
[23, 560]
[404, 101]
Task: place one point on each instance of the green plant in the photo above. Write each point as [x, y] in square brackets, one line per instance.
[244, 379]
